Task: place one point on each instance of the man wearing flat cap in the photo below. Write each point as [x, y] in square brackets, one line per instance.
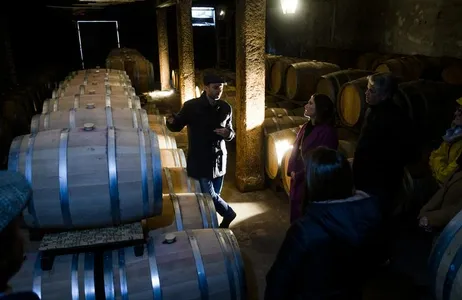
[209, 122]
[14, 195]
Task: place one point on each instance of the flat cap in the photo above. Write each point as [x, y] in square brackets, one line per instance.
[213, 78]
[15, 192]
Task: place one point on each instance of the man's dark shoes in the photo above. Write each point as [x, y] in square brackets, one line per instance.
[227, 220]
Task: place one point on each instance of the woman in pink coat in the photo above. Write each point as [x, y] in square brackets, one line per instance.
[318, 131]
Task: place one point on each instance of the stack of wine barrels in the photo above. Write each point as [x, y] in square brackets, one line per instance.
[445, 261]
[99, 162]
[138, 68]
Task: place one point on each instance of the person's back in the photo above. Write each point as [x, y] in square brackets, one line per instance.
[328, 251]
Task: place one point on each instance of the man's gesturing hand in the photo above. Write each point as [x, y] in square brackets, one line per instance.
[224, 132]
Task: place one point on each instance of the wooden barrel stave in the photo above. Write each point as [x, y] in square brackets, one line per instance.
[183, 211]
[330, 84]
[71, 277]
[279, 71]
[347, 148]
[173, 158]
[89, 179]
[97, 71]
[95, 90]
[118, 81]
[176, 180]
[200, 264]
[408, 68]
[275, 124]
[82, 101]
[276, 112]
[351, 104]
[166, 140]
[269, 61]
[302, 77]
[445, 261]
[277, 144]
[100, 117]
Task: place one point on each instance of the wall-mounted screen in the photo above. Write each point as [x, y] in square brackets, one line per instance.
[203, 16]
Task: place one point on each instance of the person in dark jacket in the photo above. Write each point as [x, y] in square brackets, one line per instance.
[318, 131]
[209, 122]
[14, 195]
[327, 252]
[385, 144]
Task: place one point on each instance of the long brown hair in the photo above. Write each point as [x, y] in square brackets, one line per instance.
[324, 109]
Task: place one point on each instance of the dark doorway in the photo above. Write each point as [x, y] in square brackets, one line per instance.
[97, 39]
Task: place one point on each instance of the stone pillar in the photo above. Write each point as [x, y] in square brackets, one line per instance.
[250, 93]
[185, 50]
[162, 40]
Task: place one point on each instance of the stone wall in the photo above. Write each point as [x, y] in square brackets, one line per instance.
[428, 27]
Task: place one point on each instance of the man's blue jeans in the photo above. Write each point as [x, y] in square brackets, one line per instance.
[213, 187]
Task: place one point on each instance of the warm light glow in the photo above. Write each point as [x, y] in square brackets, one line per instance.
[289, 6]
[222, 12]
[161, 94]
[281, 148]
[198, 92]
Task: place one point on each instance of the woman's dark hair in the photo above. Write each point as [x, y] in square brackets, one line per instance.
[324, 109]
[328, 176]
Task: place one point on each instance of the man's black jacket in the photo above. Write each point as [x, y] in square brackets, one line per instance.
[207, 152]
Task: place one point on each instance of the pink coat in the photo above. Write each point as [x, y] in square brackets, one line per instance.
[319, 135]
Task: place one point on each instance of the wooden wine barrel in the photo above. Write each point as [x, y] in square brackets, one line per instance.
[173, 158]
[120, 80]
[370, 61]
[299, 112]
[166, 140]
[100, 117]
[184, 211]
[285, 178]
[279, 71]
[351, 103]
[199, 264]
[330, 84]
[271, 125]
[277, 144]
[408, 68]
[269, 62]
[452, 74]
[175, 180]
[445, 261]
[347, 148]
[277, 112]
[181, 138]
[430, 105]
[89, 178]
[97, 70]
[98, 89]
[286, 104]
[97, 101]
[71, 277]
[302, 77]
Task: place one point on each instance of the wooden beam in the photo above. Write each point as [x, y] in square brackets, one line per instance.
[166, 3]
